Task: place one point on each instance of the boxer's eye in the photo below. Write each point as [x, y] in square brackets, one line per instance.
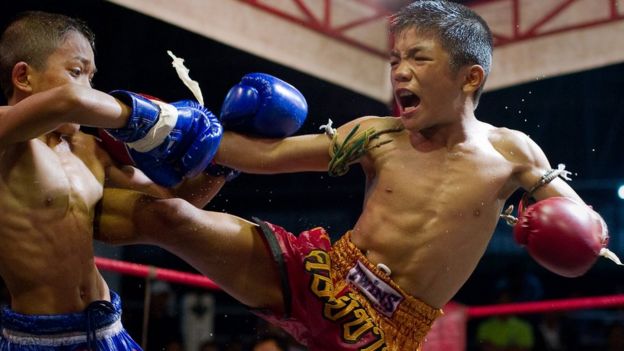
[76, 71]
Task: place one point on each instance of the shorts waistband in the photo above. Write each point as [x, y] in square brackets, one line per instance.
[62, 339]
[98, 315]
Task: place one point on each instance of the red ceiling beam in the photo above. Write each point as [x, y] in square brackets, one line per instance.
[515, 21]
[534, 31]
[324, 25]
[307, 11]
[531, 32]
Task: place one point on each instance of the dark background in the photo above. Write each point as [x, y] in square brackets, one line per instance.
[576, 119]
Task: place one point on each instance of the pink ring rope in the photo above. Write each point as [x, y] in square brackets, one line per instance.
[194, 279]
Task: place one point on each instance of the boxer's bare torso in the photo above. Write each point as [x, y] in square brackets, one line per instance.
[48, 190]
[430, 211]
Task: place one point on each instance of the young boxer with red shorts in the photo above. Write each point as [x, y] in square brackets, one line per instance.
[437, 180]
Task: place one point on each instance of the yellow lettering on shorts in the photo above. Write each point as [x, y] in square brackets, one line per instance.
[322, 286]
[357, 321]
[339, 308]
[354, 329]
[317, 260]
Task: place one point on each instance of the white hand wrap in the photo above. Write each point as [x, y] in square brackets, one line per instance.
[167, 120]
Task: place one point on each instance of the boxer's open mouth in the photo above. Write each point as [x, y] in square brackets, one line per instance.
[408, 101]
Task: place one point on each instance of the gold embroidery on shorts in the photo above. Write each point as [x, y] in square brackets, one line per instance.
[337, 308]
[362, 323]
[357, 321]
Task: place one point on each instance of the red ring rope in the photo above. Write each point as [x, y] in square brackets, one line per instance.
[144, 271]
[547, 306]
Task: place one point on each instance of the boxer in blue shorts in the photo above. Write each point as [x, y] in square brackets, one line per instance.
[52, 178]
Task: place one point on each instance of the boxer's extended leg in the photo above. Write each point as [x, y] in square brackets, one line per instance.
[227, 249]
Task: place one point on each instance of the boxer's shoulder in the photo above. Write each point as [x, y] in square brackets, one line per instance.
[513, 145]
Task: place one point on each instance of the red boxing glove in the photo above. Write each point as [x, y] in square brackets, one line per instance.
[564, 236]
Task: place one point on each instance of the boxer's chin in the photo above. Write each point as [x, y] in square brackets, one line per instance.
[68, 129]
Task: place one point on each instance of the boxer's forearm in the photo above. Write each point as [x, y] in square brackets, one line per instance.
[71, 103]
[270, 156]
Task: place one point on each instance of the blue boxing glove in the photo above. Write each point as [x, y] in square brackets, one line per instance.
[264, 105]
[168, 142]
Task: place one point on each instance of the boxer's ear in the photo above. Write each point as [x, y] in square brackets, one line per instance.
[474, 77]
[20, 78]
